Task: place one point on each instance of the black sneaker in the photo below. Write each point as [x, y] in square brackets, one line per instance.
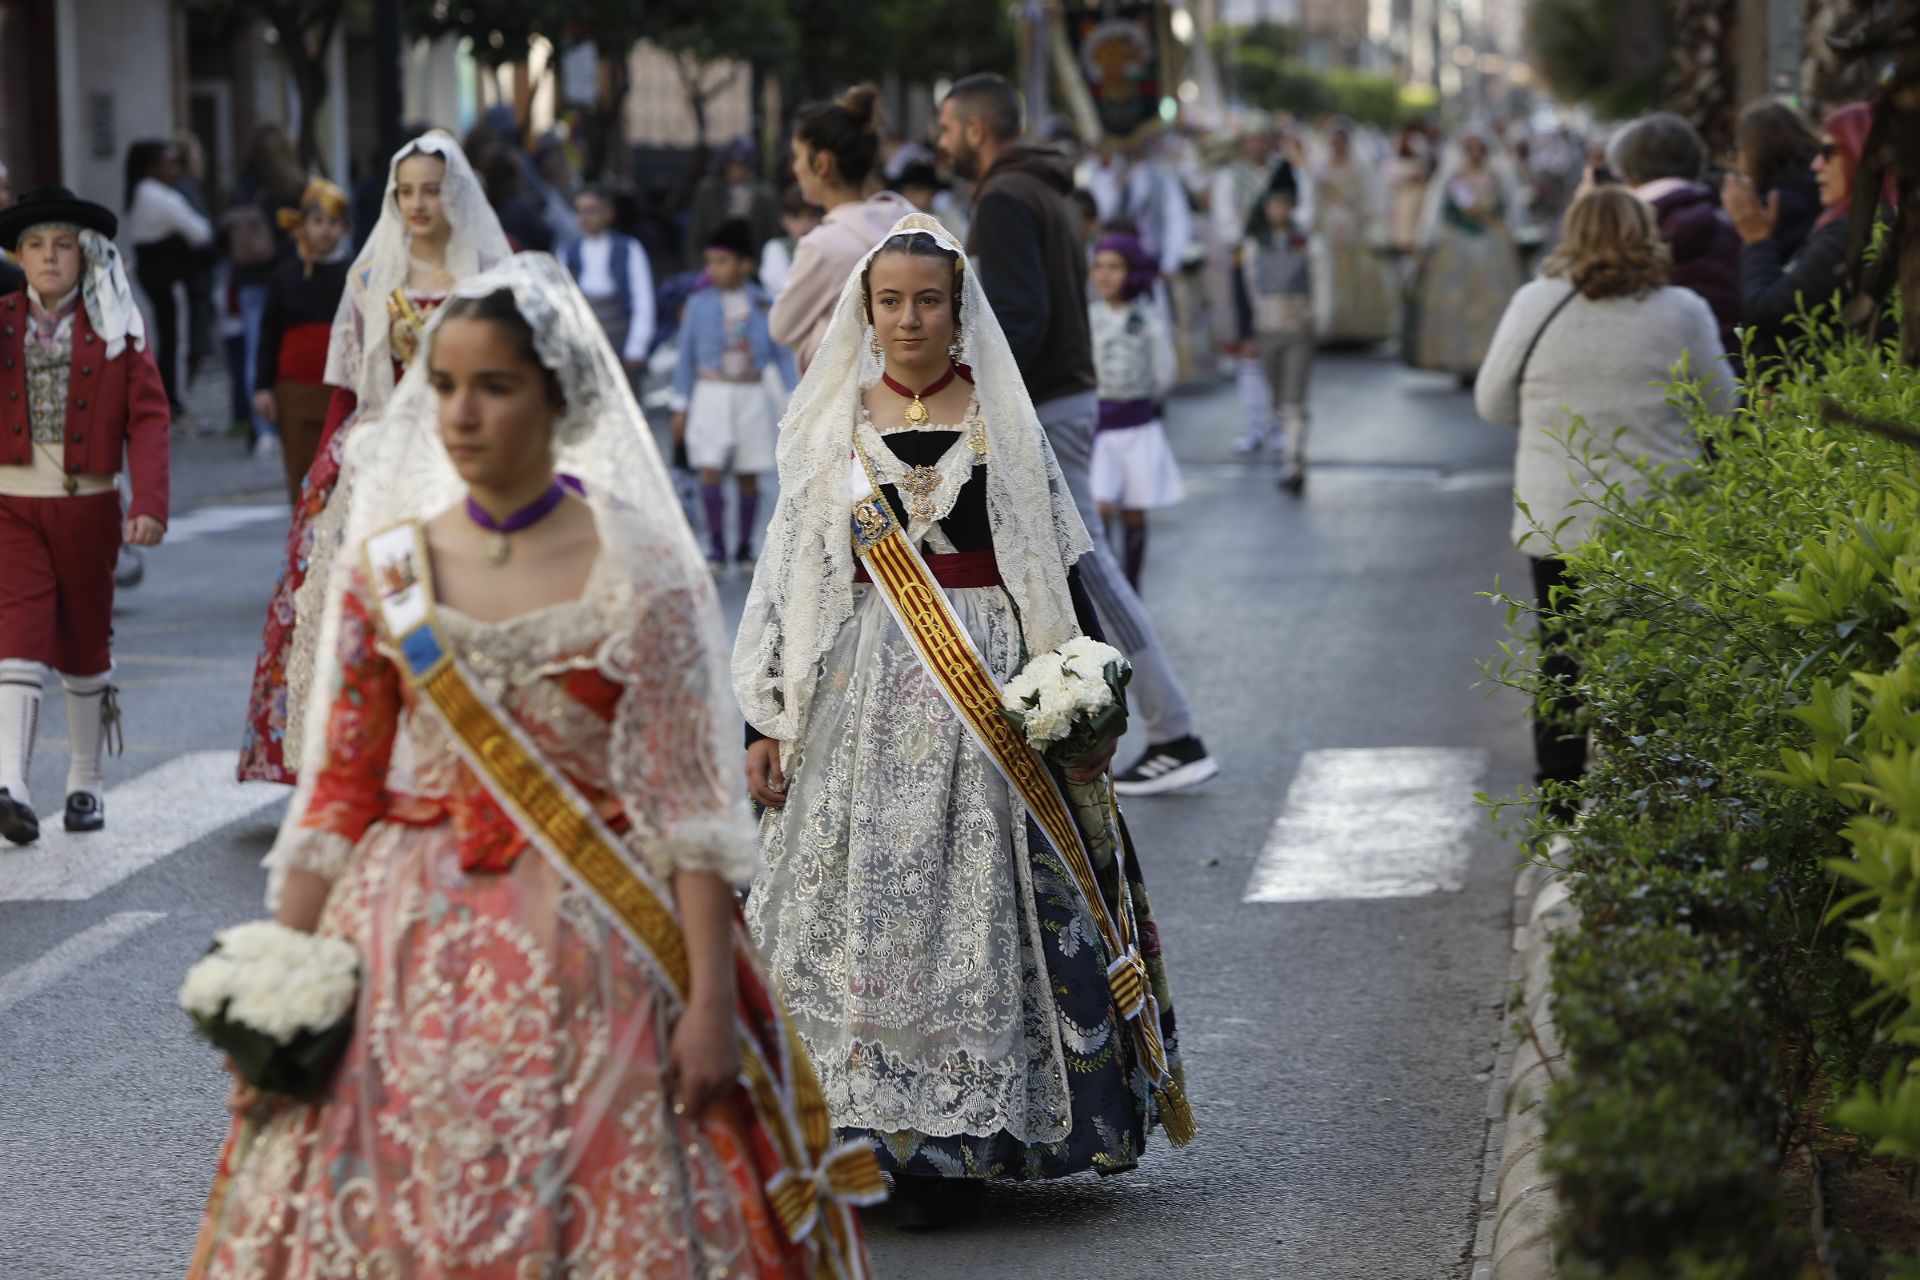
[85, 812]
[1171, 766]
[18, 822]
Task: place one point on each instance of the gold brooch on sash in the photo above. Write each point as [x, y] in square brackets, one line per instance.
[921, 483]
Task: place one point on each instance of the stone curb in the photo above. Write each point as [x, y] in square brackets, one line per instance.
[1514, 1238]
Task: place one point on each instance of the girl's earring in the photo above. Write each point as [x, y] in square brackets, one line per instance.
[873, 344]
[953, 348]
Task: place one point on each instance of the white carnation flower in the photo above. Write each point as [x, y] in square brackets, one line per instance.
[208, 985]
[276, 980]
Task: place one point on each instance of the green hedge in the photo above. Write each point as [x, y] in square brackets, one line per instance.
[1748, 865]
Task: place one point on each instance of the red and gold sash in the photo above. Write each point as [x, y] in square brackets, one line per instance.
[818, 1185]
[927, 618]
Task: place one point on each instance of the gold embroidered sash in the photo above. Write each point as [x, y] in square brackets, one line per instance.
[926, 617]
[818, 1185]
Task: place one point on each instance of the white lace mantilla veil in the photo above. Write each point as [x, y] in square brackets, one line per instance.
[358, 356]
[803, 587]
[360, 359]
[1453, 163]
[678, 784]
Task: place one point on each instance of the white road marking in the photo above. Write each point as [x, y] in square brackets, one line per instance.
[88, 945]
[1378, 822]
[157, 814]
[204, 522]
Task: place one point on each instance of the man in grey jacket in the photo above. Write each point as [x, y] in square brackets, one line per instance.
[1026, 245]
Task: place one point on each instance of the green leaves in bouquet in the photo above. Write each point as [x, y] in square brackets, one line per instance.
[301, 1069]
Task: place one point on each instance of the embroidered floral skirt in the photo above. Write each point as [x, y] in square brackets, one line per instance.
[929, 946]
[1462, 290]
[263, 755]
[500, 1114]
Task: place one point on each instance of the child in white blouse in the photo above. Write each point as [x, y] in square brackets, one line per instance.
[1133, 469]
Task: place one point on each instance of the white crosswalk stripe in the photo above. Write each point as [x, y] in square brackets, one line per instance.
[1382, 822]
[157, 814]
[204, 522]
[89, 944]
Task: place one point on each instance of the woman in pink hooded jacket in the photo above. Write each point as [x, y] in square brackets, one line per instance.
[835, 146]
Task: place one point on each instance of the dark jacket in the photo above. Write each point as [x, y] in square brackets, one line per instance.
[1706, 253]
[1800, 208]
[1027, 245]
[116, 409]
[296, 298]
[1774, 286]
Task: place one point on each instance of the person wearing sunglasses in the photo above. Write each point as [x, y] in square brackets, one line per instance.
[1774, 284]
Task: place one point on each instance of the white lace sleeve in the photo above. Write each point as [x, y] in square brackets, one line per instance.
[324, 853]
[675, 758]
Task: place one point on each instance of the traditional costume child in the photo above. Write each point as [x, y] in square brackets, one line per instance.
[614, 273]
[1133, 465]
[82, 395]
[936, 956]
[720, 383]
[1274, 292]
[303, 297]
[375, 335]
[501, 1110]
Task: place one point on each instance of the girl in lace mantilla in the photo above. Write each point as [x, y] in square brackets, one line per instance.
[523, 1094]
[949, 984]
[436, 229]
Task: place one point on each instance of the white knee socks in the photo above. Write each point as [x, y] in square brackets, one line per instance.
[92, 713]
[21, 684]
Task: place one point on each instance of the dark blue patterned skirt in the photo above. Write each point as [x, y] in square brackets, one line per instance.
[1112, 1101]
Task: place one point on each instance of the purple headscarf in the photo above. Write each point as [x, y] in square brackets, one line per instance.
[1142, 271]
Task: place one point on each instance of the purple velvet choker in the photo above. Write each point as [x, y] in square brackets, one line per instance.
[498, 548]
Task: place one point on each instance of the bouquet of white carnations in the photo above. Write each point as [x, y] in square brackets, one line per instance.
[278, 1001]
[1067, 703]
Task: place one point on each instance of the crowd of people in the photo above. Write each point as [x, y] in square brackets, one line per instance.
[494, 669]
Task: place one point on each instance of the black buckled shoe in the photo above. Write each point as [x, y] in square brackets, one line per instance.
[18, 822]
[85, 812]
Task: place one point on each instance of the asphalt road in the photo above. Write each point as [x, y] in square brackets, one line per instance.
[1338, 1030]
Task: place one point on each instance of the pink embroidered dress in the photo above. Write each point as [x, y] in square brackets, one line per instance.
[501, 1111]
[264, 756]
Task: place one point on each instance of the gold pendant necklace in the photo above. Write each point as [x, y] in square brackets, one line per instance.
[499, 550]
[916, 411]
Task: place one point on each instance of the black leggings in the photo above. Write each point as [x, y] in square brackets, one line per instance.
[158, 283]
[1559, 743]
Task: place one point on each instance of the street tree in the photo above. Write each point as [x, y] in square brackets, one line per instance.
[712, 45]
[500, 32]
[919, 42]
[1611, 55]
[302, 31]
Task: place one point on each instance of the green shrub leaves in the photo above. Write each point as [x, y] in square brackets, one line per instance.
[1748, 864]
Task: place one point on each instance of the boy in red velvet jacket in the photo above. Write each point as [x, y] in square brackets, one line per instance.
[79, 394]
